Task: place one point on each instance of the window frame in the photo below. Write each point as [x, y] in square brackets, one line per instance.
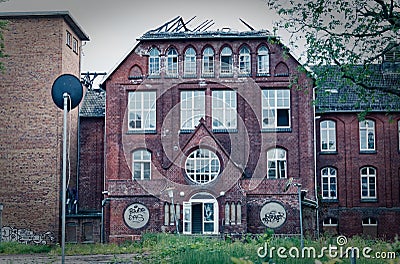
[278, 163]
[145, 113]
[208, 65]
[154, 62]
[172, 68]
[276, 108]
[189, 62]
[226, 108]
[367, 186]
[195, 108]
[68, 39]
[263, 60]
[197, 159]
[329, 176]
[142, 162]
[364, 135]
[244, 61]
[226, 68]
[327, 132]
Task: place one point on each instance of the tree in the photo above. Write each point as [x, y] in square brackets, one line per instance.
[354, 35]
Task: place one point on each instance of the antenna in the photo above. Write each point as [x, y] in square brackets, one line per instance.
[65, 87]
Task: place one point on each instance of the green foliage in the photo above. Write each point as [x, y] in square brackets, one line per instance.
[3, 25]
[18, 248]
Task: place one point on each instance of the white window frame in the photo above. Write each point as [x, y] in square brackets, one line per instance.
[369, 222]
[192, 108]
[190, 62]
[154, 62]
[172, 62]
[367, 135]
[367, 179]
[226, 61]
[68, 40]
[328, 135]
[275, 101]
[208, 62]
[143, 161]
[324, 222]
[142, 108]
[206, 166]
[329, 174]
[263, 60]
[224, 109]
[278, 157]
[244, 60]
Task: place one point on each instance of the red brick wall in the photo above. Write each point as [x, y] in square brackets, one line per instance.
[31, 130]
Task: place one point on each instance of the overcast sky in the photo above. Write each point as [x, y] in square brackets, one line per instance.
[114, 25]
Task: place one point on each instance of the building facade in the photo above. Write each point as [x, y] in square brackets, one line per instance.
[40, 46]
[358, 161]
[202, 132]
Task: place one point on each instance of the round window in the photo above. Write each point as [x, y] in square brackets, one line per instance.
[202, 166]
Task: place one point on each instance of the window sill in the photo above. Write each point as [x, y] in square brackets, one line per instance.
[233, 130]
[207, 75]
[369, 200]
[172, 76]
[154, 76]
[226, 75]
[328, 152]
[277, 129]
[329, 200]
[244, 74]
[133, 132]
[189, 76]
[263, 74]
[186, 131]
[367, 151]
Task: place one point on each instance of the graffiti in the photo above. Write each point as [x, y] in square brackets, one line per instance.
[273, 216]
[26, 236]
[136, 215]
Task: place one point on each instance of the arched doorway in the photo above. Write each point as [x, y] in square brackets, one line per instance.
[200, 214]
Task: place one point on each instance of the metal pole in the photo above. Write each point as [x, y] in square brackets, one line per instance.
[301, 216]
[64, 178]
[176, 220]
[1, 221]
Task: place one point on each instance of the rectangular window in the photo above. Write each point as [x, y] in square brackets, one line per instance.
[276, 108]
[224, 110]
[68, 40]
[328, 135]
[75, 45]
[192, 108]
[142, 111]
[368, 183]
[328, 182]
[367, 135]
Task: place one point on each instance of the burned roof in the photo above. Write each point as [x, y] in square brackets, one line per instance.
[94, 103]
[337, 94]
[178, 29]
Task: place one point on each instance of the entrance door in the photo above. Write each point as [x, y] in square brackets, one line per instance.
[200, 215]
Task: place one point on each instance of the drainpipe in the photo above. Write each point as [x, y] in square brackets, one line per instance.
[103, 204]
[315, 166]
[1, 221]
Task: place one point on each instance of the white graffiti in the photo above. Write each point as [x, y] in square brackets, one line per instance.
[26, 236]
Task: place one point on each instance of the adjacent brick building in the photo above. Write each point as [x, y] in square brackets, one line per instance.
[40, 46]
[358, 160]
[211, 118]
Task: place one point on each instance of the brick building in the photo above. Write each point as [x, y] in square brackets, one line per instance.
[40, 46]
[358, 161]
[203, 131]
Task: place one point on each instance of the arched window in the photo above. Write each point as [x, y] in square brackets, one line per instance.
[328, 135]
[172, 62]
[328, 183]
[208, 62]
[226, 61]
[141, 169]
[190, 62]
[202, 166]
[263, 60]
[276, 165]
[367, 135]
[154, 62]
[368, 183]
[244, 60]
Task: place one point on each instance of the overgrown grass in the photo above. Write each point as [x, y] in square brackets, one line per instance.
[169, 248]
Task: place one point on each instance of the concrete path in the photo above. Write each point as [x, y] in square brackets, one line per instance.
[46, 259]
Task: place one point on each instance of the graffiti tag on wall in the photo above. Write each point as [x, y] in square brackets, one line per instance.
[273, 215]
[136, 215]
[26, 236]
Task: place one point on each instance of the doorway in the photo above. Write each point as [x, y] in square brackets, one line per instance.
[200, 215]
